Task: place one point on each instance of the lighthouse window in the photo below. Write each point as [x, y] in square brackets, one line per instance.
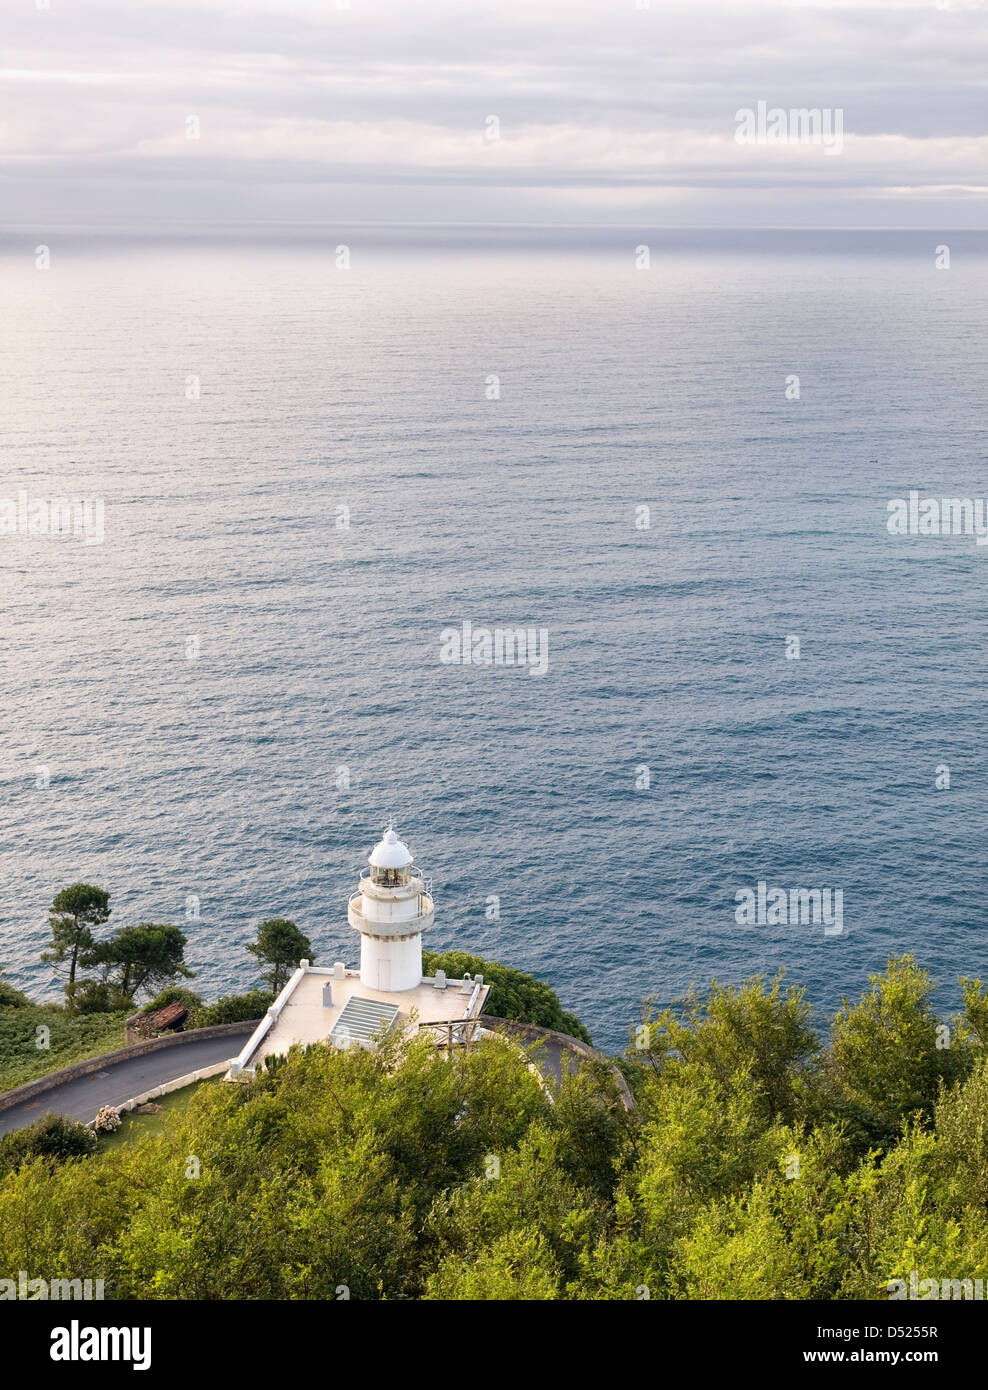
[390, 878]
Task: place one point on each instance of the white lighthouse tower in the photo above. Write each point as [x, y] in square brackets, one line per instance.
[391, 909]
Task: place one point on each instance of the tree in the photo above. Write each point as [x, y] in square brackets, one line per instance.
[755, 1030]
[146, 957]
[976, 1009]
[280, 945]
[889, 1053]
[517, 1266]
[72, 916]
[518, 1235]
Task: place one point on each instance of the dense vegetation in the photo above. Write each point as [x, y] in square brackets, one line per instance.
[757, 1164]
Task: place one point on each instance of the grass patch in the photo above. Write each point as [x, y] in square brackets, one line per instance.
[134, 1126]
[71, 1039]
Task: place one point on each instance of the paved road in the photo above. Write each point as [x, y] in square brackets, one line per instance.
[549, 1059]
[118, 1082]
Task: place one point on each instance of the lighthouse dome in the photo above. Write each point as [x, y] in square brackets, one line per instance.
[390, 853]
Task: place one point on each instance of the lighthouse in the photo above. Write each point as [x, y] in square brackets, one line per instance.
[391, 909]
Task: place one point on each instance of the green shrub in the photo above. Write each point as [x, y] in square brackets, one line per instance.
[513, 995]
[233, 1008]
[100, 997]
[53, 1137]
[11, 998]
[174, 994]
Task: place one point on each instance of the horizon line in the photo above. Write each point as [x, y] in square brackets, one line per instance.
[193, 224]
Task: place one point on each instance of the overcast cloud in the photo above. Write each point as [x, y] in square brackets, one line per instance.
[607, 113]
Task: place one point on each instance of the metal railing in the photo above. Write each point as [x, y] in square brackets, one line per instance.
[451, 1032]
[355, 898]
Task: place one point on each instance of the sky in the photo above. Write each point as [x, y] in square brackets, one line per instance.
[549, 112]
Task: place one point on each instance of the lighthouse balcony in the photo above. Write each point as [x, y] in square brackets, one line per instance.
[394, 928]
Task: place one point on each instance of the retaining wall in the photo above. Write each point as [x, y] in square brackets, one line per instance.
[30, 1089]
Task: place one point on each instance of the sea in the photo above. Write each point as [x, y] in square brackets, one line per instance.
[310, 453]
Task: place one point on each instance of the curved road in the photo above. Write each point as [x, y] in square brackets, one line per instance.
[80, 1099]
